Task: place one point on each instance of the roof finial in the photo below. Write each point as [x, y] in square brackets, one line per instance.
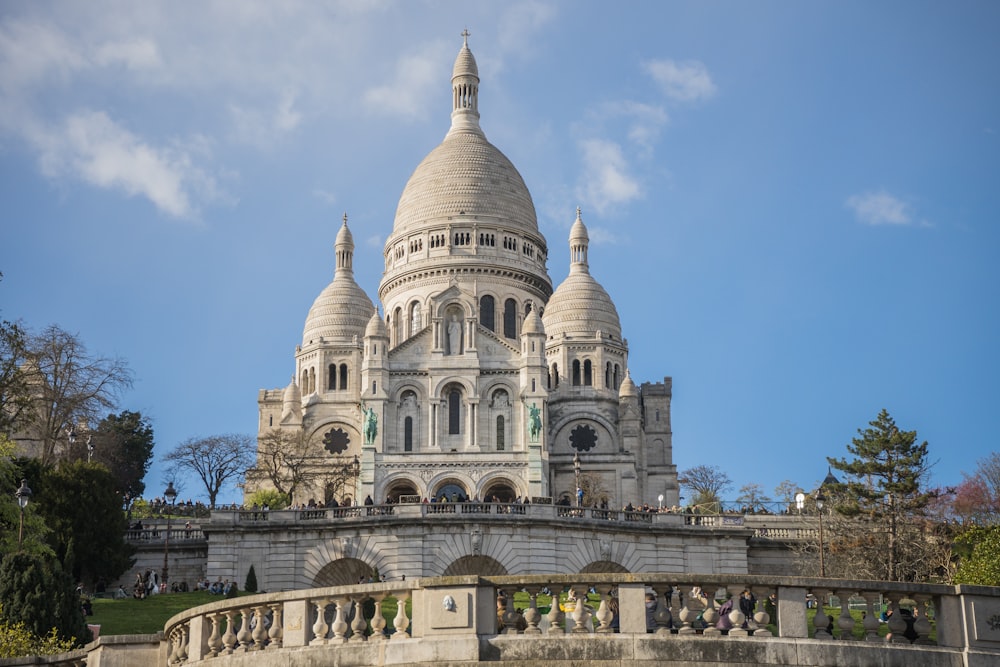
[345, 218]
[578, 212]
[465, 35]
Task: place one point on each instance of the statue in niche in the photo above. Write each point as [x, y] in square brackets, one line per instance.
[454, 336]
[534, 422]
[370, 421]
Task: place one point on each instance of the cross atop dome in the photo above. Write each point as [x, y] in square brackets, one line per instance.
[465, 35]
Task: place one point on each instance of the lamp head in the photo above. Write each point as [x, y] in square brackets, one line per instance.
[170, 494]
[23, 494]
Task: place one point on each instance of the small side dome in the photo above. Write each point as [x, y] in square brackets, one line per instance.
[342, 309]
[291, 402]
[580, 306]
[376, 327]
[533, 324]
[628, 388]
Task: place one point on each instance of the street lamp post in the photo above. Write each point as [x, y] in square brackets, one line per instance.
[820, 500]
[171, 495]
[576, 473]
[23, 495]
[659, 499]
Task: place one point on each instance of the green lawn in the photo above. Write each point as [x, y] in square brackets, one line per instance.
[140, 617]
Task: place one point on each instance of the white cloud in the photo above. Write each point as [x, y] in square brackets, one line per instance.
[416, 82]
[687, 81]
[263, 127]
[606, 180]
[92, 147]
[879, 208]
[134, 54]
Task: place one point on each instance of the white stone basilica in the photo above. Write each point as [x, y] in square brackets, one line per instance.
[480, 380]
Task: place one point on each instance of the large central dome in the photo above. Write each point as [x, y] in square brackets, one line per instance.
[465, 175]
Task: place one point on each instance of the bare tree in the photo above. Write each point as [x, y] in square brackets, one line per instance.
[752, 496]
[594, 491]
[68, 387]
[215, 460]
[706, 484]
[15, 394]
[285, 459]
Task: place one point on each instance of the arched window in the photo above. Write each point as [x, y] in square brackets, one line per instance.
[454, 412]
[555, 376]
[397, 326]
[618, 376]
[408, 434]
[487, 312]
[500, 434]
[415, 323]
[510, 318]
[576, 372]
[304, 381]
[588, 373]
[331, 377]
[343, 376]
[312, 380]
[607, 376]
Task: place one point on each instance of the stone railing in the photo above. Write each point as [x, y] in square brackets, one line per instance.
[178, 534]
[501, 511]
[455, 619]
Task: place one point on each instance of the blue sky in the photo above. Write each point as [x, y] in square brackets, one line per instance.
[794, 205]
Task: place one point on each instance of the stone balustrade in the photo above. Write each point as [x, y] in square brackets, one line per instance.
[469, 619]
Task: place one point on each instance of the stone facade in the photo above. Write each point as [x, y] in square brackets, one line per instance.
[478, 380]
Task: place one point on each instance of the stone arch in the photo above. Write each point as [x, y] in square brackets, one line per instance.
[603, 567]
[335, 438]
[483, 566]
[451, 483]
[400, 486]
[500, 484]
[398, 482]
[342, 572]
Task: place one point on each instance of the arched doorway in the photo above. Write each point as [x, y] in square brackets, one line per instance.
[501, 489]
[400, 488]
[451, 491]
[343, 572]
[603, 567]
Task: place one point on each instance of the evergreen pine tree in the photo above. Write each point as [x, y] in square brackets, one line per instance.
[251, 583]
[885, 482]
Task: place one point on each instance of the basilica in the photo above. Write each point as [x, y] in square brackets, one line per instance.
[474, 379]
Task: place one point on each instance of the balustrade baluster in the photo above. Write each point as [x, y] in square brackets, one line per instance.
[556, 616]
[401, 622]
[604, 614]
[845, 622]
[662, 616]
[690, 606]
[580, 615]
[182, 649]
[359, 626]
[709, 611]
[531, 615]
[378, 620]
[736, 616]
[921, 621]
[320, 627]
[340, 626]
[229, 638]
[275, 632]
[871, 616]
[244, 636]
[821, 621]
[897, 625]
[761, 618]
[259, 632]
[215, 638]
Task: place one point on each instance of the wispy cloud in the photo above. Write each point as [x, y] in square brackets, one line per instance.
[92, 147]
[412, 88]
[263, 127]
[606, 179]
[686, 81]
[879, 208]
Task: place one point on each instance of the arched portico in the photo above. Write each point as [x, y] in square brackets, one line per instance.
[483, 566]
[343, 572]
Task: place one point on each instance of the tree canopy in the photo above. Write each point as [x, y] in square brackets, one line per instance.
[124, 443]
[706, 484]
[884, 492]
[216, 460]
